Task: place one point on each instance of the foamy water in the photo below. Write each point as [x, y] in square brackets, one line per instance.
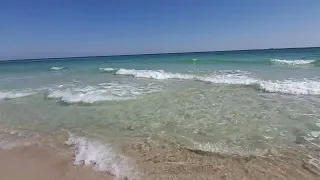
[101, 92]
[57, 68]
[153, 74]
[115, 92]
[292, 62]
[107, 69]
[101, 157]
[305, 86]
[15, 94]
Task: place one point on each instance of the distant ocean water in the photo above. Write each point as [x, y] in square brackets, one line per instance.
[232, 102]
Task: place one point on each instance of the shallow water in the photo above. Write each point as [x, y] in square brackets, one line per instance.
[240, 102]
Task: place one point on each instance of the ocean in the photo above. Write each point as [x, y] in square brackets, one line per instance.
[113, 112]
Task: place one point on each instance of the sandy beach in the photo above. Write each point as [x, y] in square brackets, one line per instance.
[38, 163]
[156, 161]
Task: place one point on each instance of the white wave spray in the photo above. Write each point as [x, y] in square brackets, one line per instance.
[15, 94]
[153, 74]
[101, 92]
[236, 77]
[107, 69]
[292, 62]
[101, 157]
[56, 68]
[307, 87]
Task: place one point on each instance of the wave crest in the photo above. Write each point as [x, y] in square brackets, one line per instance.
[307, 87]
[56, 68]
[101, 157]
[101, 92]
[225, 77]
[107, 69]
[153, 74]
[293, 62]
[15, 94]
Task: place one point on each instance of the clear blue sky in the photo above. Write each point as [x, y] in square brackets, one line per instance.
[55, 28]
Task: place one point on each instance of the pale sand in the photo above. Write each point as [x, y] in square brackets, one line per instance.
[156, 161]
[35, 163]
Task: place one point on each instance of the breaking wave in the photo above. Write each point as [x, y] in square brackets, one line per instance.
[292, 62]
[101, 157]
[15, 94]
[308, 87]
[153, 74]
[56, 68]
[227, 77]
[107, 69]
[101, 92]
[252, 61]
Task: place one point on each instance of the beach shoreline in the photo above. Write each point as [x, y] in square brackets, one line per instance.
[215, 115]
[38, 163]
[156, 161]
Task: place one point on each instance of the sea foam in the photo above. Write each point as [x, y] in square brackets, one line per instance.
[56, 68]
[292, 62]
[308, 87]
[101, 92]
[153, 74]
[101, 157]
[228, 77]
[107, 69]
[15, 94]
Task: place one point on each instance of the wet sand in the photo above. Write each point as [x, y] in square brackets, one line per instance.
[169, 162]
[38, 163]
[157, 161]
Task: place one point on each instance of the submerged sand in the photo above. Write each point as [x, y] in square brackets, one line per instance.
[167, 162]
[157, 161]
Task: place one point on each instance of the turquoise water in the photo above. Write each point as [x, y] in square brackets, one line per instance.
[242, 102]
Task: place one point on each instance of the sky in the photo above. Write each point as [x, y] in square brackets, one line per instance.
[62, 28]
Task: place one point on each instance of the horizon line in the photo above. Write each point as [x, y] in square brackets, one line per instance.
[139, 54]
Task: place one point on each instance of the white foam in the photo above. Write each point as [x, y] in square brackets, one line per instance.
[309, 138]
[292, 62]
[101, 157]
[222, 78]
[15, 94]
[308, 87]
[75, 96]
[101, 92]
[107, 69]
[57, 68]
[153, 74]
[236, 77]
[229, 79]
[315, 134]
